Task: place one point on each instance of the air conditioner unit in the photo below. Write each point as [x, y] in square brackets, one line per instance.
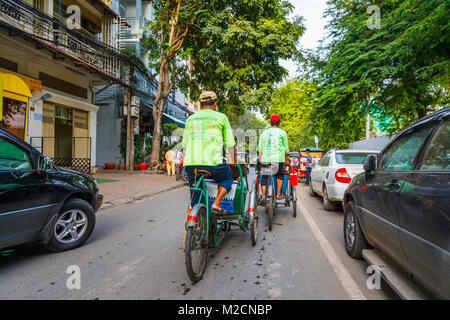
[135, 101]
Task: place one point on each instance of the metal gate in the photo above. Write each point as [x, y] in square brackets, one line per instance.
[67, 152]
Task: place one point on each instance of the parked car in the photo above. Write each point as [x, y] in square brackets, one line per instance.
[334, 172]
[40, 202]
[401, 203]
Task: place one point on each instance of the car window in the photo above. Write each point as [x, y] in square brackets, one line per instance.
[12, 157]
[325, 161]
[351, 158]
[437, 155]
[402, 153]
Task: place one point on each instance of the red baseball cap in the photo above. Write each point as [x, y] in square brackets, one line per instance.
[275, 118]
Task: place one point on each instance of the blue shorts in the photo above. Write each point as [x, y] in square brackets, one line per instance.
[221, 174]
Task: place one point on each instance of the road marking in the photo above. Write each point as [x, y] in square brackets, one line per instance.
[349, 284]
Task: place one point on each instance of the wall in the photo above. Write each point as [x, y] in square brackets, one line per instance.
[108, 133]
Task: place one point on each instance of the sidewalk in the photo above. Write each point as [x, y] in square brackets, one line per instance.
[121, 188]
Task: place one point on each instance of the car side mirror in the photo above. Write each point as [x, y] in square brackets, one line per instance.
[44, 164]
[370, 163]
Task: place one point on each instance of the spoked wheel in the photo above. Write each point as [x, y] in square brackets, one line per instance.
[196, 252]
[254, 229]
[294, 200]
[271, 211]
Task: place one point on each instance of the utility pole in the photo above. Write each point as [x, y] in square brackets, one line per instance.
[368, 124]
[130, 124]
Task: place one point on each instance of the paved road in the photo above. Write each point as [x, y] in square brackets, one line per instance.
[136, 252]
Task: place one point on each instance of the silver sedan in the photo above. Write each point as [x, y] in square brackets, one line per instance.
[333, 173]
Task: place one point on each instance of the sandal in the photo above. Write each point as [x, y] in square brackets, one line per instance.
[215, 211]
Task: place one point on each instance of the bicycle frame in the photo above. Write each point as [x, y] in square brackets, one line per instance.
[218, 235]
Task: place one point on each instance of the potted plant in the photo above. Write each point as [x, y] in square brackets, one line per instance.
[143, 166]
[110, 165]
[121, 166]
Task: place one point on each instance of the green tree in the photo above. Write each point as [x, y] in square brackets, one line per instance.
[403, 66]
[233, 48]
[293, 102]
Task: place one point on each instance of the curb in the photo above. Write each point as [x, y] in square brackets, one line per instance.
[140, 196]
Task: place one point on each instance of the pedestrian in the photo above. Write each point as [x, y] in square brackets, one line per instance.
[179, 161]
[170, 158]
[308, 166]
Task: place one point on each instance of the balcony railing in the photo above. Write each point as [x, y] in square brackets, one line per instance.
[31, 21]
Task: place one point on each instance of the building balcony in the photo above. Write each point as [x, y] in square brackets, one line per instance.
[23, 19]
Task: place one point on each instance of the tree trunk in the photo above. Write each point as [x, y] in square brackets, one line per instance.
[157, 135]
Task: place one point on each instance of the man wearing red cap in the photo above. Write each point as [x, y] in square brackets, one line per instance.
[273, 148]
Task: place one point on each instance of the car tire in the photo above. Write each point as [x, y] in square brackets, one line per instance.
[354, 239]
[327, 204]
[312, 193]
[67, 217]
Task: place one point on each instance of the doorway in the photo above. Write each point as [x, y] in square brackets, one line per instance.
[64, 132]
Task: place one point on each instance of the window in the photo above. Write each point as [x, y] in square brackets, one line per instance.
[325, 161]
[402, 153]
[12, 157]
[437, 155]
[351, 158]
[14, 114]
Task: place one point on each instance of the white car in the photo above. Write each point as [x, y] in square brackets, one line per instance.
[334, 172]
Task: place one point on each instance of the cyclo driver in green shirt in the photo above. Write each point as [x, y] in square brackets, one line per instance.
[273, 149]
[205, 135]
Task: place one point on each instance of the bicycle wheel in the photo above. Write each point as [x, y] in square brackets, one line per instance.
[254, 230]
[294, 200]
[196, 252]
[270, 214]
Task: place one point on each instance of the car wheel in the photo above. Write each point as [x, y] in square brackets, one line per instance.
[74, 225]
[354, 239]
[327, 204]
[312, 193]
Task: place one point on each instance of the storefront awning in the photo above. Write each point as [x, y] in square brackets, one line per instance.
[175, 119]
[33, 84]
[14, 84]
[14, 87]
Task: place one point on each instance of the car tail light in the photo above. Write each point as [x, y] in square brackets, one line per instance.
[342, 175]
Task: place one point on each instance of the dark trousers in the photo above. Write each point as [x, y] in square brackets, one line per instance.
[308, 174]
[221, 174]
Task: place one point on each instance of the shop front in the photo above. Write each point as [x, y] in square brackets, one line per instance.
[14, 100]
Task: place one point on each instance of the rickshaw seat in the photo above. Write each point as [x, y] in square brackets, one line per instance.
[204, 173]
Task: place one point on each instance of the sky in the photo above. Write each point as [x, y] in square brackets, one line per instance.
[312, 12]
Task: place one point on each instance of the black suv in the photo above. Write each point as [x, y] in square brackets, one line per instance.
[401, 203]
[40, 202]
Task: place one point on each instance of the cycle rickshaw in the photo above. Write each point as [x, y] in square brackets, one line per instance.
[205, 229]
[288, 189]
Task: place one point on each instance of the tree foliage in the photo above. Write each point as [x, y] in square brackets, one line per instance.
[403, 66]
[230, 47]
[293, 102]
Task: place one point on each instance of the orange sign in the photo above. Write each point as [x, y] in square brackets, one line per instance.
[32, 83]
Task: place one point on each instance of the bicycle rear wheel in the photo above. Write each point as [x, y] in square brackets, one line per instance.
[271, 210]
[294, 200]
[196, 252]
